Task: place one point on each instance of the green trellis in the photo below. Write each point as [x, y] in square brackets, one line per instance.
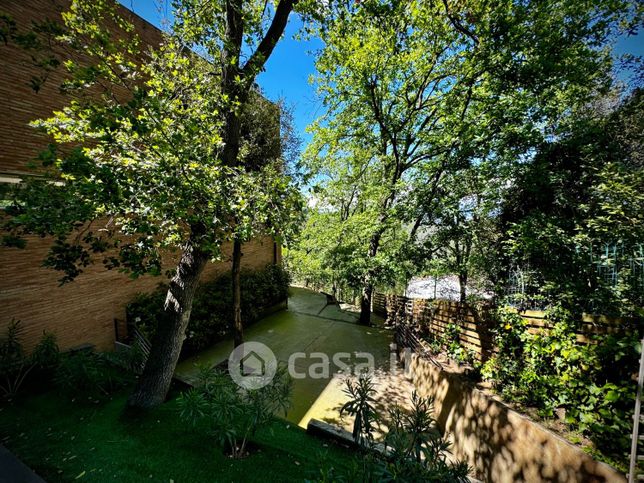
[612, 262]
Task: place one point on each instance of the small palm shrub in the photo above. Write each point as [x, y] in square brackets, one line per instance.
[233, 414]
[414, 449]
[361, 405]
[417, 450]
[16, 367]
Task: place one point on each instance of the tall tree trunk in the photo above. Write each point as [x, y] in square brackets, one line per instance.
[365, 304]
[154, 383]
[238, 327]
[166, 345]
[367, 287]
[462, 283]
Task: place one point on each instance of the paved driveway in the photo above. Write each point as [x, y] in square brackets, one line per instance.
[307, 326]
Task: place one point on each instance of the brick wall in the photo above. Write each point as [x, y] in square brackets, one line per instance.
[19, 103]
[85, 310]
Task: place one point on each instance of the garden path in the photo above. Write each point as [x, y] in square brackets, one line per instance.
[316, 329]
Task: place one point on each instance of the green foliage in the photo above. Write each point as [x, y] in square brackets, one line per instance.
[550, 370]
[46, 354]
[573, 218]
[233, 414]
[421, 98]
[414, 449]
[449, 342]
[212, 314]
[16, 367]
[147, 174]
[361, 405]
[87, 372]
[418, 450]
[459, 232]
[77, 372]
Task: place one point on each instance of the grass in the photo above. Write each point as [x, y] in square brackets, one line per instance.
[85, 439]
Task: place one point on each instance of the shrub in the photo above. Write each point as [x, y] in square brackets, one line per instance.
[361, 405]
[231, 413]
[414, 449]
[211, 316]
[592, 383]
[92, 372]
[449, 342]
[418, 451]
[16, 367]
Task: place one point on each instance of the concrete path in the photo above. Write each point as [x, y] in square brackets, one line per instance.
[318, 331]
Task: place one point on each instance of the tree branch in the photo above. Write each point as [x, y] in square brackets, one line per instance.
[266, 46]
[458, 25]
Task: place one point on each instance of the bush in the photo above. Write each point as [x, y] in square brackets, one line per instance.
[414, 449]
[231, 413]
[92, 372]
[592, 383]
[212, 315]
[16, 367]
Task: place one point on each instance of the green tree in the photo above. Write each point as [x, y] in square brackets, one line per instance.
[412, 89]
[150, 157]
[458, 235]
[574, 214]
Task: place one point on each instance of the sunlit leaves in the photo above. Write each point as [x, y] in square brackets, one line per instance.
[148, 127]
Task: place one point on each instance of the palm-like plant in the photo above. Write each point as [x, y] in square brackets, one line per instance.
[234, 414]
[416, 446]
[361, 405]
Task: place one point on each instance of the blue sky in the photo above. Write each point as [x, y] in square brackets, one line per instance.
[292, 63]
[287, 71]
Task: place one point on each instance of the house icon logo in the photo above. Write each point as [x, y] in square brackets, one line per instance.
[252, 365]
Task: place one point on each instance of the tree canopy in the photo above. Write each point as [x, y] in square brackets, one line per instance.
[162, 150]
[416, 92]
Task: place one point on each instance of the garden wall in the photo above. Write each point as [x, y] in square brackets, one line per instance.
[498, 443]
[431, 317]
[88, 310]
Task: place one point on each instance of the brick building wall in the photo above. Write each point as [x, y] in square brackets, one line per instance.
[85, 310]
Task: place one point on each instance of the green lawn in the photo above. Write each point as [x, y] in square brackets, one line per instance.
[87, 440]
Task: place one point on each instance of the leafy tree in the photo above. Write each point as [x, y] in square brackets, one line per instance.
[310, 261]
[459, 234]
[415, 89]
[574, 213]
[150, 156]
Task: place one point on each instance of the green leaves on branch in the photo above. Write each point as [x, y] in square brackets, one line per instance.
[136, 166]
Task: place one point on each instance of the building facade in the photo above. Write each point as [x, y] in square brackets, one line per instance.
[91, 309]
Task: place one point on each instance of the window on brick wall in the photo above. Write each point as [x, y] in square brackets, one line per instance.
[7, 181]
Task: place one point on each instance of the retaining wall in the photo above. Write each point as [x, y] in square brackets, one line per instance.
[498, 443]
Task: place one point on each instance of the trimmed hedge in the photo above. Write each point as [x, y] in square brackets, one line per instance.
[212, 310]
